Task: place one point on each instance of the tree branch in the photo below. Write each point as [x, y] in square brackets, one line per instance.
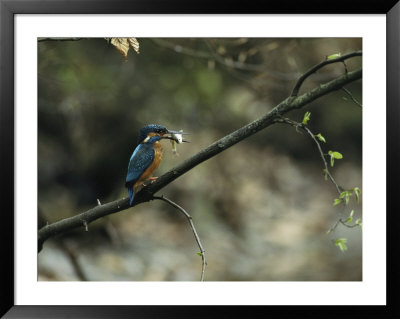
[327, 173]
[344, 223]
[80, 220]
[339, 189]
[202, 251]
[314, 69]
[146, 193]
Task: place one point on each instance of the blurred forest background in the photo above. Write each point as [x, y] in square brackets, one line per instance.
[262, 208]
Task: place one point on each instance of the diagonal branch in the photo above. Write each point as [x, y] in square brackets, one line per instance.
[146, 194]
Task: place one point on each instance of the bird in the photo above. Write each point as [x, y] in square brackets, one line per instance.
[147, 156]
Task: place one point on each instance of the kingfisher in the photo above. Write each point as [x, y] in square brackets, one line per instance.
[147, 156]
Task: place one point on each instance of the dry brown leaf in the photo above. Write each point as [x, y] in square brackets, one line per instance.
[123, 45]
[135, 44]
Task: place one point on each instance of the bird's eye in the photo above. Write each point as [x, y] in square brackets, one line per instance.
[160, 131]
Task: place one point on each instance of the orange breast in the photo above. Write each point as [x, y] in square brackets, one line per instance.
[153, 167]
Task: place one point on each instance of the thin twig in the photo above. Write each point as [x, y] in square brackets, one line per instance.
[352, 97]
[315, 68]
[326, 170]
[190, 219]
[341, 221]
[307, 130]
[338, 188]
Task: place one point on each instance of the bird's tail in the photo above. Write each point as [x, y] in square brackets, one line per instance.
[131, 195]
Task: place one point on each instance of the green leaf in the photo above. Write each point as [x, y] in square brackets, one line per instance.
[337, 201]
[341, 243]
[199, 253]
[334, 155]
[306, 118]
[357, 193]
[337, 155]
[333, 56]
[321, 138]
[346, 196]
[350, 218]
[358, 222]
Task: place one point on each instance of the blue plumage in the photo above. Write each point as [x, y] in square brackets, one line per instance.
[142, 157]
[146, 157]
[131, 195]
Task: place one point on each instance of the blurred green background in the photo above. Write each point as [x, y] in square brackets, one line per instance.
[262, 208]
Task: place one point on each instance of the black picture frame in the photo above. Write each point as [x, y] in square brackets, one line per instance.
[8, 10]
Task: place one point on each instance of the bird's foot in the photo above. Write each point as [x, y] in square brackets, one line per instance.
[151, 179]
